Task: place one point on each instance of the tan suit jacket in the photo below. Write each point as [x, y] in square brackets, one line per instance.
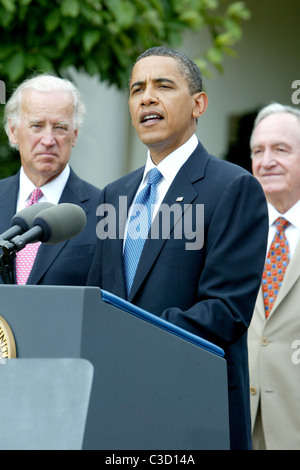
[274, 362]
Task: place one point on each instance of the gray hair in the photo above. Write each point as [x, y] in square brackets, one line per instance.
[274, 108]
[187, 67]
[43, 82]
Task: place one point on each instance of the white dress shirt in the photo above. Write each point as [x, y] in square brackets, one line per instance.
[52, 191]
[169, 168]
[292, 232]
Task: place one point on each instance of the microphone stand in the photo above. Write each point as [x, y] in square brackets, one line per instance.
[9, 249]
[7, 258]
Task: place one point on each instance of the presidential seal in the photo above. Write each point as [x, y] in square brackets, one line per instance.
[7, 341]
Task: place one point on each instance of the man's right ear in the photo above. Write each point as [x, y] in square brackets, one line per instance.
[12, 132]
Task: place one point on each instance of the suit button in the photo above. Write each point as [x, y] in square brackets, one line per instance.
[253, 390]
[264, 341]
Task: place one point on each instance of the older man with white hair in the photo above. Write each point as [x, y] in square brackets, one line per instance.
[42, 120]
[274, 332]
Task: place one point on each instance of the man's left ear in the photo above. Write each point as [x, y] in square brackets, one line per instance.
[200, 105]
[74, 140]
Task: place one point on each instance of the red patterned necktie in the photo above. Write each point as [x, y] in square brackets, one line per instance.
[275, 266]
[25, 257]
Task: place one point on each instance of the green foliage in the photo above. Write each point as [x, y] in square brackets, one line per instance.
[103, 37]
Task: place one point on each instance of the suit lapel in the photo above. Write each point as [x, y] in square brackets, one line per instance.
[8, 201]
[260, 304]
[121, 202]
[290, 278]
[182, 187]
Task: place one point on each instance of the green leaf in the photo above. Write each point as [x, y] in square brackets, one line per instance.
[214, 55]
[50, 51]
[52, 21]
[6, 18]
[9, 5]
[91, 66]
[233, 28]
[204, 67]
[62, 42]
[229, 51]
[123, 11]
[210, 4]
[158, 6]
[89, 39]
[192, 19]
[70, 8]
[38, 61]
[225, 39]
[70, 28]
[5, 51]
[239, 10]
[24, 3]
[15, 66]
[43, 64]
[93, 16]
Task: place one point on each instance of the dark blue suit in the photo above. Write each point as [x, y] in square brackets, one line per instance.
[210, 291]
[65, 263]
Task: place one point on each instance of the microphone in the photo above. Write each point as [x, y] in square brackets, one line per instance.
[51, 226]
[23, 220]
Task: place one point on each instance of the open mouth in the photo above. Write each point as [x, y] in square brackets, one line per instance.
[150, 117]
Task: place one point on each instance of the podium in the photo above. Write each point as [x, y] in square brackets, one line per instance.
[44, 403]
[142, 383]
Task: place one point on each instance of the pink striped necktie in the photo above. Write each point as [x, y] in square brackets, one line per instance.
[25, 257]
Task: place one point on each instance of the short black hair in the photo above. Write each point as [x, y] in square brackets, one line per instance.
[187, 66]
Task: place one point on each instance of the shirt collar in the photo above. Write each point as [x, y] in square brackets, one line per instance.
[52, 191]
[292, 215]
[171, 164]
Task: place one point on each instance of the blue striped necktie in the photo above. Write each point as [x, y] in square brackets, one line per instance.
[139, 226]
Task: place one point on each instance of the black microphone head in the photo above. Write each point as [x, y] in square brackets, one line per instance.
[24, 218]
[60, 223]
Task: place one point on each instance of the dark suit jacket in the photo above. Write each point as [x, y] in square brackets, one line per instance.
[210, 291]
[65, 263]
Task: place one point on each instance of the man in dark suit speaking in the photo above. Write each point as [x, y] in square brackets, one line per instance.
[200, 269]
[42, 119]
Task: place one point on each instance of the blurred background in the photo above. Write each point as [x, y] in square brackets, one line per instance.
[247, 51]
